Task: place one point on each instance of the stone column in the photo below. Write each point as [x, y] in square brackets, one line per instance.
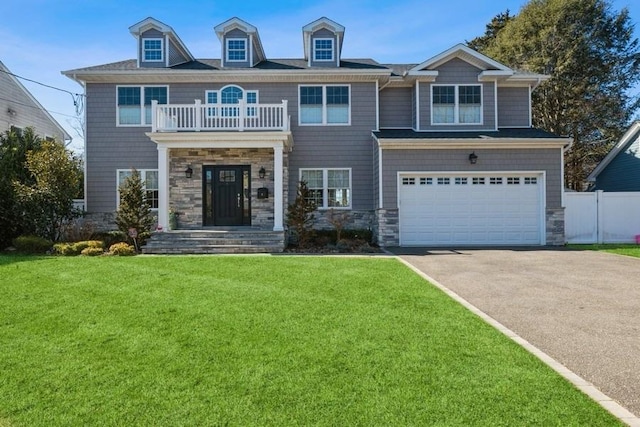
[278, 200]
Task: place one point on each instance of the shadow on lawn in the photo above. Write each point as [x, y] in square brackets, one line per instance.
[12, 258]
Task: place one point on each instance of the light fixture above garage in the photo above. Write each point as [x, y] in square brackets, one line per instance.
[473, 158]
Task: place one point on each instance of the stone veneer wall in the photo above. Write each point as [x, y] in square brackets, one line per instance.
[555, 227]
[354, 220]
[185, 195]
[388, 227]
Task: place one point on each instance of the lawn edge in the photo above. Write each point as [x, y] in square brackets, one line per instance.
[580, 383]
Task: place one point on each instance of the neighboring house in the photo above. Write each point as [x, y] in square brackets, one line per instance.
[18, 108]
[620, 169]
[436, 153]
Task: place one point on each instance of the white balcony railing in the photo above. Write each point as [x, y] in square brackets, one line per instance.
[224, 117]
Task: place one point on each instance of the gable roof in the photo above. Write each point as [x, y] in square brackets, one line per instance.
[149, 23]
[629, 137]
[318, 24]
[12, 79]
[235, 22]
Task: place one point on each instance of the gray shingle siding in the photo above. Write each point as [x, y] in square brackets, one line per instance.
[513, 107]
[548, 160]
[151, 34]
[323, 33]
[235, 34]
[175, 57]
[396, 106]
[623, 172]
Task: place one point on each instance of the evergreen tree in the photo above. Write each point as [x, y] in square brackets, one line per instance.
[300, 215]
[496, 25]
[134, 212]
[593, 60]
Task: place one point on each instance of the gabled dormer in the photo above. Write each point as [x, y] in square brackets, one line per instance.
[158, 45]
[461, 89]
[241, 45]
[323, 43]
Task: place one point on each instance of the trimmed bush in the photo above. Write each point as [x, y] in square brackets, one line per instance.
[122, 249]
[32, 244]
[92, 251]
[65, 249]
[110, 237]
[72, 249]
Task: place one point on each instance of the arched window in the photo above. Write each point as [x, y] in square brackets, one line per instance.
[231, 94]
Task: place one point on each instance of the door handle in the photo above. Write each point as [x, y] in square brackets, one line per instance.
[238, 199]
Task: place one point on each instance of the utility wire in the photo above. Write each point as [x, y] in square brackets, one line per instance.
[37, 108]
[78, 98]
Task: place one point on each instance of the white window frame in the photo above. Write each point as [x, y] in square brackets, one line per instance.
[315, 51]
[215, 106]
[142, 110]
[456, 108]
[143, 178]
[324, 105]
[144, 50]
[325, 187]
[246, 49]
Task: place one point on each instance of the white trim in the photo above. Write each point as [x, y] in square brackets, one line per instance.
[142, 113]
[219, 103]
[380, 197]
[542, 184]
[226, 49]
[626, 138]
[456, 111]
[417, 125]
[333, 49]
[470, 143]
[167, 45]
[324, 105]
[465, 53]
[529, 107]
[337, 50]
[163, 188]
[562, 177]
[377, 105]
[325, 187]
[144, 50]
[278, 189]
[495, 103]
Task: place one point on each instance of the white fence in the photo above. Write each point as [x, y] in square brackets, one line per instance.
[600, 217]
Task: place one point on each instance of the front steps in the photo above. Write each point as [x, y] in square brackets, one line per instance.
[240, 240]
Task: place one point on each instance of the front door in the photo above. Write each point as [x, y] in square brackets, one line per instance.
[226, 195]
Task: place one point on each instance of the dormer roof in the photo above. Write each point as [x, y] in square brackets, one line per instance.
[151, 23]
[322, 23]
[237, 23]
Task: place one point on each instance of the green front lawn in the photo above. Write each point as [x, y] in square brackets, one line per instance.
[626, 249]
[241, 341]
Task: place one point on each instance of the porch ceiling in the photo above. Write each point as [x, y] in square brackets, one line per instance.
[252, 139]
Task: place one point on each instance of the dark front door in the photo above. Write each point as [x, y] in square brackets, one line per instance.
[226, 195]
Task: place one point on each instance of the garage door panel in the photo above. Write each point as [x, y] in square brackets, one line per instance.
[503, 210]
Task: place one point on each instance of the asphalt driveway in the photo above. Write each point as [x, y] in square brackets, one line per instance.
[580, 307]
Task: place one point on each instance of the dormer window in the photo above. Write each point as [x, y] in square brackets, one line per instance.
[236, 50]
[323, 49]
[152, 50]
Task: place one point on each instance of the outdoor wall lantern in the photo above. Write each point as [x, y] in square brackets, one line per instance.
[188, 172]
[262, 173]
[473, 158]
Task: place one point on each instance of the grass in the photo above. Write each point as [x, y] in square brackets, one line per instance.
[622, 249]
[241, 341]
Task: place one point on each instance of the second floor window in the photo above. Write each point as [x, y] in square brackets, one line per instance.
[323, 49]
[324, 105]
[230, 95]
[152, 51]
[456, 104]
[237, 50]
[134, 103]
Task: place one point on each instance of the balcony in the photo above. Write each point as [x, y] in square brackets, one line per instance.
[219, 117]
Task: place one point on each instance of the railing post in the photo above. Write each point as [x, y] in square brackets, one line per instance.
[154, 115]
[241, 114]
[285, 124]
[198, 113]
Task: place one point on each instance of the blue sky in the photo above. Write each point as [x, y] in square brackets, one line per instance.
[40, 38]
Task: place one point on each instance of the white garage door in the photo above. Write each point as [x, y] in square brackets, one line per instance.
[470, 209]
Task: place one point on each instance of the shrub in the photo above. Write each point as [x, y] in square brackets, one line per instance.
[80, 246]
[300, 216]
[110, 237]
[32, 244]
[122, 249]
[77, 229]
[91, 251]
[71, 249]
[65, 249]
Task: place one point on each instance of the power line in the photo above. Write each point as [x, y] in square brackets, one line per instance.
[37, 108]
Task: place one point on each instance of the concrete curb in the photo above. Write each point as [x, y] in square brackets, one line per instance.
[580, 383]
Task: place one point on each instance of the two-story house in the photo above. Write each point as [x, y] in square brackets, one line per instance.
[435, 153]
[20, 109]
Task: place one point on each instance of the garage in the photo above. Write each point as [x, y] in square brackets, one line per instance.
[449, 209]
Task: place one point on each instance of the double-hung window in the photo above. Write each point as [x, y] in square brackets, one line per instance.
[324, 105]
[134, 103]
[149, 178]
[236, 50]
[456, 104]
[323, 49]
[220, 102]
[328, 188]
[152, 50]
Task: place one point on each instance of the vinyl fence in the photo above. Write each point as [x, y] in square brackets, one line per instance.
[600, 217]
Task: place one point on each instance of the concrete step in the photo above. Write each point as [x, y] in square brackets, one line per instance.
[233, 241]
